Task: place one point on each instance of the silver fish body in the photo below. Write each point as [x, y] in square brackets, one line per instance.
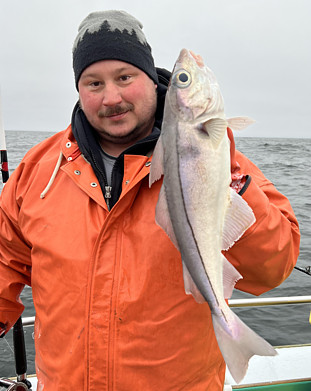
[197, 208]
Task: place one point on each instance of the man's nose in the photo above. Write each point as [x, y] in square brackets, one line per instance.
[112, 95]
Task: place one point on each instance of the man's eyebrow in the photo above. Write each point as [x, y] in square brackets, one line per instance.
[92, 75]
[127, 68]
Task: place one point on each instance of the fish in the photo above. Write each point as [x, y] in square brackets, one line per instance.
[197, 208]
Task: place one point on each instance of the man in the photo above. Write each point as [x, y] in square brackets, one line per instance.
[111, 310]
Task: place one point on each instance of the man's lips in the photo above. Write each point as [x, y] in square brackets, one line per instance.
[116, 116]
[115, 112]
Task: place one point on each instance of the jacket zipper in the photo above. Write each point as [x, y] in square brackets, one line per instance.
[108, 195]
[108, 188]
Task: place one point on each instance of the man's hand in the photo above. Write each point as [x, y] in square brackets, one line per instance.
[237, 179]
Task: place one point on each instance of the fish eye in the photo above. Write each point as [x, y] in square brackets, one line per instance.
[182, 78]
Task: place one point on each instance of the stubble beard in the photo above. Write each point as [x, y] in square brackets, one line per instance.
[142, 129]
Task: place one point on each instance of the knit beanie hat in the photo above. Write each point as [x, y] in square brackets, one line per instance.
[112, 35]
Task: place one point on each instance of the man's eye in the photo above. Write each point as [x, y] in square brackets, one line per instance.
[125, 77]
[95, 84]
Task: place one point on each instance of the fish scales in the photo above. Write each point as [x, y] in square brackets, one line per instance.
[197, 208]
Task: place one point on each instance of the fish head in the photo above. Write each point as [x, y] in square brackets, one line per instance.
[194, 94]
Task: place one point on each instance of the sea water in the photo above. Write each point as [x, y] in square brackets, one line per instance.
[286, 162]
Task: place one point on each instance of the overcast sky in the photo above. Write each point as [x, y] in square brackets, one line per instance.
[259, 50]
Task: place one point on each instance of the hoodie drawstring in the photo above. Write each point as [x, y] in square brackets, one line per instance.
[48, 186]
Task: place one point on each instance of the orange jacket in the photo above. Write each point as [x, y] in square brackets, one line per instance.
[111, 311]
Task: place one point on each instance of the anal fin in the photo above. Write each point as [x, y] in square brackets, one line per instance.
[230, 277]
[162, 216]
[239, 217]
[156, 168]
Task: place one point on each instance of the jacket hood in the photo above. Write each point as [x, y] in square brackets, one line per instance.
[164, 79]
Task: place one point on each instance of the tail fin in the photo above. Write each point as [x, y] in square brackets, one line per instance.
[237, 350]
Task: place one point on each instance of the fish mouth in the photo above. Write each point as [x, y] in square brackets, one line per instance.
[198, 59]
[190, 55]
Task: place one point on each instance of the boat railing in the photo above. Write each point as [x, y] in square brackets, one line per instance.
[251, 302]
[269, 301]
[270, 381]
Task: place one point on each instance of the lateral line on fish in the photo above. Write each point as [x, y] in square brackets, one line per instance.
[190, 226]
[196, 244]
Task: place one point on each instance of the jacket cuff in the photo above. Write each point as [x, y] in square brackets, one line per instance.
[256, 199]
[2, 329]
[248, 179]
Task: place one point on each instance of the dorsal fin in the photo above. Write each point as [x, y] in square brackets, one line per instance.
[239, 123]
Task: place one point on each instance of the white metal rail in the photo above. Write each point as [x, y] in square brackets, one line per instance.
[266, 301]
[253, 302]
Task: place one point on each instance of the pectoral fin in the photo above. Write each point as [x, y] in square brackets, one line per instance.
[216, 128]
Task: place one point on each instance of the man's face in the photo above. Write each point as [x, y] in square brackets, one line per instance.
[119, 100]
